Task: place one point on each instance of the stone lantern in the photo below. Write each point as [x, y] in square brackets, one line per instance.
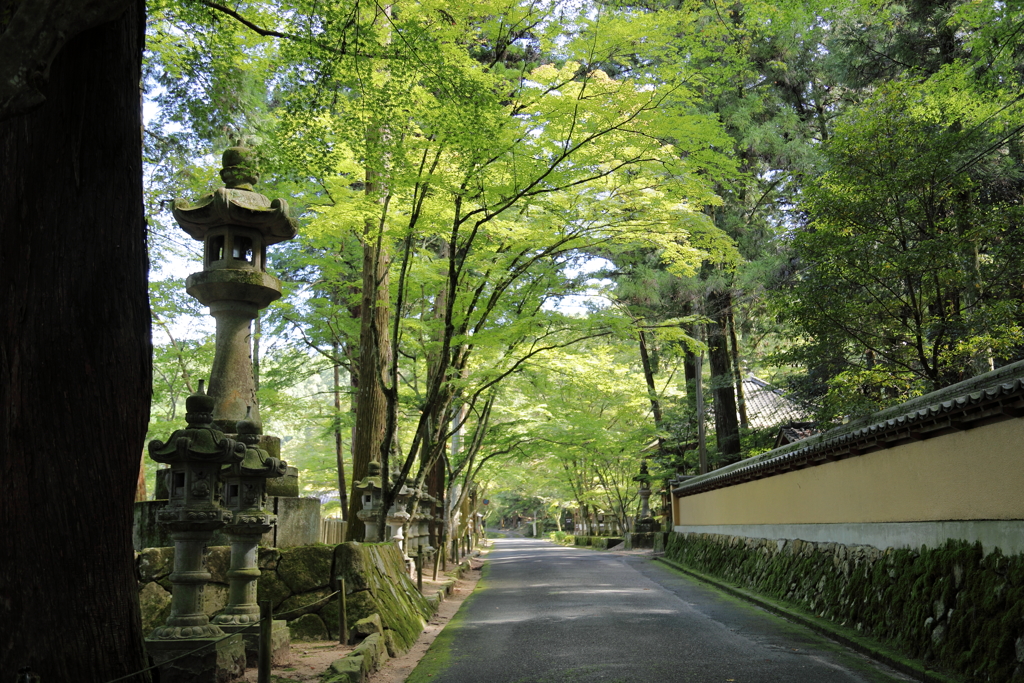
[423, 519]
[644, 522]
[397, 518]
[196, 455]
[236, 225]
[370, 487]
[244, 495]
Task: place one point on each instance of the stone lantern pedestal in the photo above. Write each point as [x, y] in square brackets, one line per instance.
[188, 648]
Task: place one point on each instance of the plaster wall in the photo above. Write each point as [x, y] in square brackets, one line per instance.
[964, 476]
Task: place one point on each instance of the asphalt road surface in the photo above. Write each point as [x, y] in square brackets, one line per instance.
[548, 614]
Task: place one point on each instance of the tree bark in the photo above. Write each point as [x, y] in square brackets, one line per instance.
[727, 428]
[652, 390]
[75, 366]
[339, 448]
[736, 370]
[374, 359]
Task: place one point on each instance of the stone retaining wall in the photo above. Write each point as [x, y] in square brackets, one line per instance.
[297, 581]
[952, 606]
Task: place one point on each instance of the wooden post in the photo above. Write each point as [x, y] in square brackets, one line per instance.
[342, 615]
[419, 569]
[437, 558]
[266, 625]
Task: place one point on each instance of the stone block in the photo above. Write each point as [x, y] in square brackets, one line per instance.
[155, 604]
[219, 662]
[359, 605]
[351, 563]
[215, 598]
[389, 643]
[146, 532]
[280, 642]
[286, 486]
[155, 563]
[374, 652]
[306, 568]
[268, 558]
[347, 670]
[303, 603]
[271, 587]
[307, 627]
[367, 627]
[298, 522]
[218, 561]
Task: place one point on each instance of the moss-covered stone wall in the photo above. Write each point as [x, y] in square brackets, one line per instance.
[298, 582]
[953, 606]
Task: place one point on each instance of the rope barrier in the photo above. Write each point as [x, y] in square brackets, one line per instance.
[304, 607]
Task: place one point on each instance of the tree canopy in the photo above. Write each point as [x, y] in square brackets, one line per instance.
[823, 195]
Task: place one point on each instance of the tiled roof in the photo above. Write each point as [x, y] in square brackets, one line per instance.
[768, 407]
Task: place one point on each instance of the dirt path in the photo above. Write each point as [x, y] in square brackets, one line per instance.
[309, 660]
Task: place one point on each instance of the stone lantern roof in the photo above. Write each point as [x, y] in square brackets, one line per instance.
[236, 204]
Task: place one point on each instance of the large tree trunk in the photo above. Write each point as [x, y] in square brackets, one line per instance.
[75, 372]
[727, 427]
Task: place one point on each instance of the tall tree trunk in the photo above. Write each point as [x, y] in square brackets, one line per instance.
[339, 449]
[727, 427]
[652, 391]
[75, 366]
[690, 361]
[374, 359]
[737, 373]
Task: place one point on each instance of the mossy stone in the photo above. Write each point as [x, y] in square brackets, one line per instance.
[218, 561]
[347, 670]
[308, 627]
[155, 604]
[215, 598]
[367, 626]
[352, 563]
[359, 606]
[268, 559]
[155, 563]
[306, 567]
[389, 643]
[271, 587]
[303, 603]
[374, 652]
[329, 613]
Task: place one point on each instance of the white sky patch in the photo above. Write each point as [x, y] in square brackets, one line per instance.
[593, 296]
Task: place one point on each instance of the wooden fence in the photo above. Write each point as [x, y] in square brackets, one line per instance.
[332, 531]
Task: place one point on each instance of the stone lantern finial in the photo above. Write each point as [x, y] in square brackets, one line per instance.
[240, 170]
[199, 408]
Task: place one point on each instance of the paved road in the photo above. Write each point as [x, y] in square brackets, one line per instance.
[547, 614]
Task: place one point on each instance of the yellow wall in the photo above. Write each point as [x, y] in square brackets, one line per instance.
[970, 475]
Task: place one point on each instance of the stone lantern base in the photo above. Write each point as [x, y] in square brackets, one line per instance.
[218, 663]
[280, 642]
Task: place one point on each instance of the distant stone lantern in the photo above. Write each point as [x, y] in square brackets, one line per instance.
[370, 488]
[244, 494]
[196, 455]
[644, 522]
[236, 225]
